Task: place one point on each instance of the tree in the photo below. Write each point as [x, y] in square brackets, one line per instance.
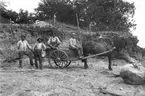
[24, 17]
[63, 10]
[100, 14]
[7, 14]
[2, 6]
[32, 17]
[107, 14]
[13, 15]
[4, 17]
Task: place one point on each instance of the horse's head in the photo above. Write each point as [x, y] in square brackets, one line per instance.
[120, 43]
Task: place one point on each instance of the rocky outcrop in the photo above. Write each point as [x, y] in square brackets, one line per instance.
[133, 74]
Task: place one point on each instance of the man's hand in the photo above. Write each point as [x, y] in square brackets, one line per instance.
[54, 47]
[75, 46]
[31, 49]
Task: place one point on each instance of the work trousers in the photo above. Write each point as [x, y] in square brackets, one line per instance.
[78, 50]
[38, 57]
[27, 53]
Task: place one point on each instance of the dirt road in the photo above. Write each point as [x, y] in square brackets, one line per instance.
[72, 81]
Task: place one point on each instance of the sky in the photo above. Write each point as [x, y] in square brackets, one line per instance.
[139, 14]
[24, 4]
[140, 19]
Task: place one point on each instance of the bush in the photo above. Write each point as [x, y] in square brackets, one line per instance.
[119, 40]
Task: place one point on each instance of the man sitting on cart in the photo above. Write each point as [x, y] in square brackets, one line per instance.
[73, 45]
[53, 41]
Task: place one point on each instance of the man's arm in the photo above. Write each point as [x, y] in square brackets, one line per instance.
[29, 47]
[49, 42]
[71, 43]
[44, 46]
[34, 45]
[58, 41]
[18, 45]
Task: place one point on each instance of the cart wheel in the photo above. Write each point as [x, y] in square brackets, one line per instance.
[68, 64]
[58, 59]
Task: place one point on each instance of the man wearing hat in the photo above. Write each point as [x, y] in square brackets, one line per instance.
[53, 41]
[23, 47]
[73, 44]
[38, 49]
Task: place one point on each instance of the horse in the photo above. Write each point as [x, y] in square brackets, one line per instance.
[93, 47]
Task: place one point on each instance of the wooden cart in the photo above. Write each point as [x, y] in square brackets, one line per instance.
[61, 58]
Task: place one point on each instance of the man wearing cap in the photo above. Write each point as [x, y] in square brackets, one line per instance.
[38, 49]
[74, 46]
[23, 47]
[53, 41]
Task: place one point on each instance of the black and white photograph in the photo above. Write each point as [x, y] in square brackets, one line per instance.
[72, 48]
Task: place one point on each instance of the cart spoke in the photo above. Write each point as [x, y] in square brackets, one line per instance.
[63, 56]
[57, 53]
[63, 63]
[52, 62]
[59, 59]
[60, 65]
[57, 64]
[53, 57]
[54, 54]
[64, 59]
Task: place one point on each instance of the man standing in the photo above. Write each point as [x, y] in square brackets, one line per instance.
[38, 48]
[23, 47]
[74, 46]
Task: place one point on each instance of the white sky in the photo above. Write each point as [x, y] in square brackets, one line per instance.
[140, 19]
[24, 4]
[139, 14]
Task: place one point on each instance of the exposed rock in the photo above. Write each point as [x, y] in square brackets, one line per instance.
[133, 74]
[141, 93]
[125, 56]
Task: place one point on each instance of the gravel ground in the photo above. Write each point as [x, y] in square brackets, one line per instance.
[72, 81]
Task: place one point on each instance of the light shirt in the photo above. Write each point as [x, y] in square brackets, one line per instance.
[23, 45]
[40, 46]
[53, 39]
[72, 42]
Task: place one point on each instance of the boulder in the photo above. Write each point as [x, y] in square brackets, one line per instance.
[125, 56]
[133, 74]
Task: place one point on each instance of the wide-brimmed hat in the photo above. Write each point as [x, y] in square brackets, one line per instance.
[39, 39]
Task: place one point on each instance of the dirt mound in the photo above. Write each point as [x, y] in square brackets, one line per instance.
[74, 81]
[10, 35]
